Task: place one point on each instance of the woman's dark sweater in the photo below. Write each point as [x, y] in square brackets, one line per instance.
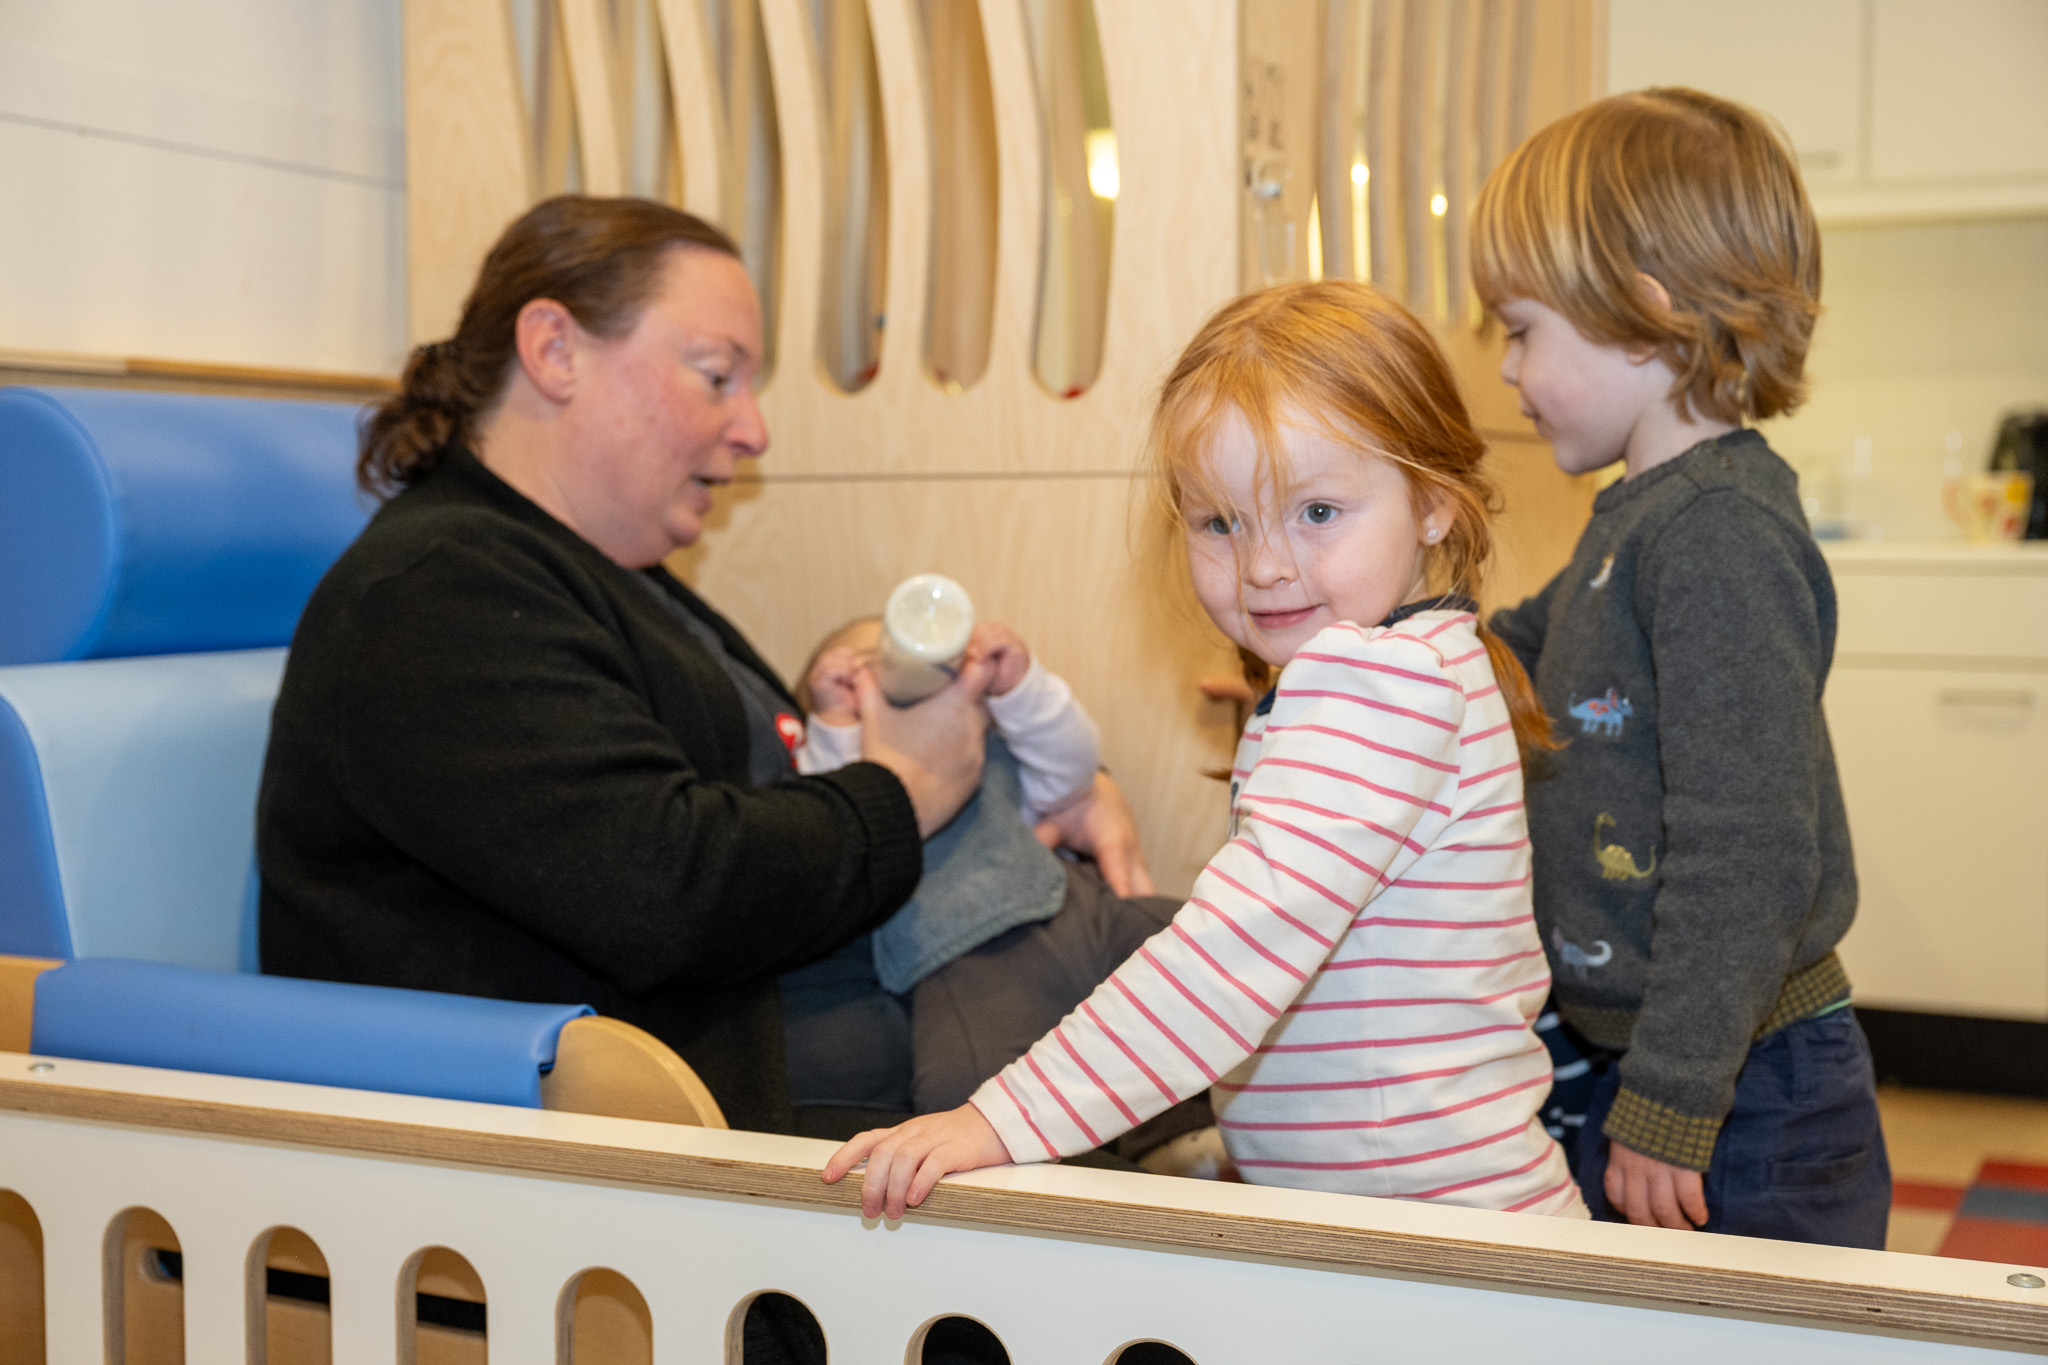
[500, 766]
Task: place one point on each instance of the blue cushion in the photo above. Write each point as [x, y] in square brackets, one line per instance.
[152, 523]
[455, 1047]
[128, 806]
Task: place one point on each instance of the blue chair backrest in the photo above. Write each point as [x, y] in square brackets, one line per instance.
[453, 1047]
[128, 806]
[151, 523]
[135, 524]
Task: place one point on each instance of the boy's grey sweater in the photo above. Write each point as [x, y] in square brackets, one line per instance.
[1691, 854]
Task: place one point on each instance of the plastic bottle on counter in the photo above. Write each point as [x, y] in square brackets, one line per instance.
[925, 629]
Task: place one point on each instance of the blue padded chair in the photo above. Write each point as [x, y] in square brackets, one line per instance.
[155, 553]
[190, 530]
[455, 1047]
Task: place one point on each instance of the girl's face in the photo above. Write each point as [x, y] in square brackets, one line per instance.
[1348, 545]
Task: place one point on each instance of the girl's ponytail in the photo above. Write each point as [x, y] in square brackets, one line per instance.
[1533, 735]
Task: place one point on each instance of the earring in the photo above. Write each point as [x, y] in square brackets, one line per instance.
[1431, 534]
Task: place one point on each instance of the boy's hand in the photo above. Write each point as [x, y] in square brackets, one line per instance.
[1006, 652]
[835, 698]
[1653, 1193]
[904, 1162]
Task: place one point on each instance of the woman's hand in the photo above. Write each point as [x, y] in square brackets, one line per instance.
[1653, 1193]
[935, 747]
[904, 1162]
[1100, 825]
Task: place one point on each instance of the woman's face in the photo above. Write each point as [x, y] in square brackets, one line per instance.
[666, 411]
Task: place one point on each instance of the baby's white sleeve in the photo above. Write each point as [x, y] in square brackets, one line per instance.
[1054, 740]
[827, 747]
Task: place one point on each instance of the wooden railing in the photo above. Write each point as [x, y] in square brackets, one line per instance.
[688, 1225]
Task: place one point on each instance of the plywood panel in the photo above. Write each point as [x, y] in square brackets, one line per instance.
[462, 102]
[1051, 557]
[1171, 78]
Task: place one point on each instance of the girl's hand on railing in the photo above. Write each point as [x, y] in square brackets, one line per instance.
[904, 1162]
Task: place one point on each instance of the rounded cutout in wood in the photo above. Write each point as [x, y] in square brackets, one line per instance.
[21, 1279]
[956, 1340]
[443, 1314]
[602, 1318]
[773, 1326]
[144, 1285]
[289, 1292]
[1149, 1353]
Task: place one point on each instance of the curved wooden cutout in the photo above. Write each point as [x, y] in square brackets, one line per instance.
[1148, 1352]
[607, 1066]
[900, 74]
[21, 1280]
[955, 1336]
[1020, 192]
[145, 1307]
[695, 87]
[442, 1273]
[793, 68]
[602, 1319]
[286, 1329]
[965, 196]
[736, 1325]
[586, 33]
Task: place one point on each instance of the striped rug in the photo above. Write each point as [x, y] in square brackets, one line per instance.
[2002, 1215]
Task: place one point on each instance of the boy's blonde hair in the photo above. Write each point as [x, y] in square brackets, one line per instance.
[1359, 367]
[1700, 194]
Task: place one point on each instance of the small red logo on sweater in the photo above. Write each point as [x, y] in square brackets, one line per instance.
[791, 729]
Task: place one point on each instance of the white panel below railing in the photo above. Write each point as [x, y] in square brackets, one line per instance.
[1065, 1265]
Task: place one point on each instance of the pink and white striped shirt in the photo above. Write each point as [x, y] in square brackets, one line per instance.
[1356, 975]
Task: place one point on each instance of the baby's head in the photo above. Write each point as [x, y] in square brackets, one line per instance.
[1322, 372]
[862, 635]
[1697, 193]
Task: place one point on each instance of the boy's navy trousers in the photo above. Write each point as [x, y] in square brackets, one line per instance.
[1801, 1156]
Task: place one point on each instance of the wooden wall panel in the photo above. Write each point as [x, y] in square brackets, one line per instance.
[467, 161]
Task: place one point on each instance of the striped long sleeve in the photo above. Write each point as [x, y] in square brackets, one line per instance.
[1356, 972]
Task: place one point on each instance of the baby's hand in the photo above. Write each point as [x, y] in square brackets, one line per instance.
[1006, 653]
[833, 698]
[904, 1162]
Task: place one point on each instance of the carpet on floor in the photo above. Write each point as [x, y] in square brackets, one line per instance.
[2002, 1215]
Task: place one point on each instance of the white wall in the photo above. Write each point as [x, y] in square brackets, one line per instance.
[1928, 329]
[215, 180]
[1935, 318]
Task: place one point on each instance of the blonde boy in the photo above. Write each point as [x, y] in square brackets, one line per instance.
[1657, 268]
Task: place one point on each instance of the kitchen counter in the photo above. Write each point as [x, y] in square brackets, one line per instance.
[2000, 558]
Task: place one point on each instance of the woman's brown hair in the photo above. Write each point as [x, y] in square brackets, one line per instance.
[599, 258]
[1698, 193]
[1358, 367]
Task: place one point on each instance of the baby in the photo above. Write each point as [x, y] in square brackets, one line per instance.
[1054, 742]
[1001, 938]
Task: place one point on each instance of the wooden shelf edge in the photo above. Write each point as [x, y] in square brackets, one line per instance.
[1826, 1303]
[188, 376]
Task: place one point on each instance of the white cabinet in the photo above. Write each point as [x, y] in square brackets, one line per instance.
[1897, 108]
[1938, 708]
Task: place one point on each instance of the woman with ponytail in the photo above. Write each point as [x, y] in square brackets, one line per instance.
[512, 755]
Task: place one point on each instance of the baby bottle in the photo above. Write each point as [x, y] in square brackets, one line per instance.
[924, 633]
